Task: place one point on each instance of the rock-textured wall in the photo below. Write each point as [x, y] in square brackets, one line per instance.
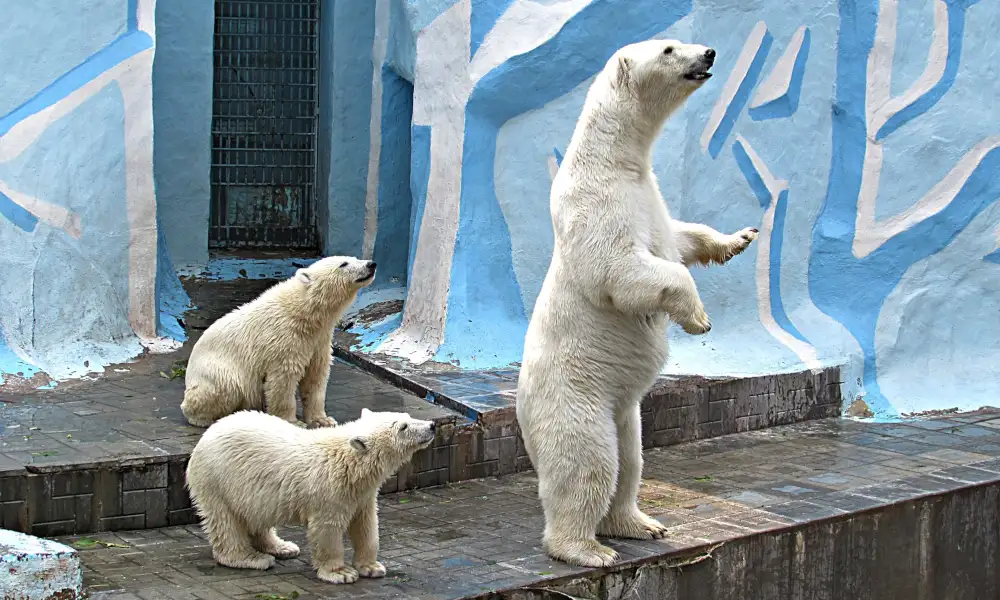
[78, 224]
[860, 137]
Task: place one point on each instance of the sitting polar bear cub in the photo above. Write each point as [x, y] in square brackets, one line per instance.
[597, 337]
[260, 353]
[252, 471]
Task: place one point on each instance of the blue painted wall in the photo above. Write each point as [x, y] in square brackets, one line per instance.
[182, 113]
[875, 191]
[78, 224]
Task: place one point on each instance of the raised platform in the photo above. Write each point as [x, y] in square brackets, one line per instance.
[110, 454]
[829, 509]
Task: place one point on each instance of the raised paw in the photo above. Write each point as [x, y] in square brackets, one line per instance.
[636, 525]
[342, 574]
[739, 241]
[323, 421]
[697, 323]
[372, 569]
[585, 553]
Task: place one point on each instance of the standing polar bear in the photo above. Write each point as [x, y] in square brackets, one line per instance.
[252, 471]
[597, 337]
[261, 353]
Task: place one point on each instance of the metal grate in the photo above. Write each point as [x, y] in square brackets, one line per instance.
[264, 109]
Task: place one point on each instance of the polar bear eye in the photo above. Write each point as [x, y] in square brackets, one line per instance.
[669, 50]
[403, 426]
[342, 265]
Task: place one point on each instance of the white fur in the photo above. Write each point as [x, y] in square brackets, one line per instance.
[597, 337]
[259, 354]
[252, 472]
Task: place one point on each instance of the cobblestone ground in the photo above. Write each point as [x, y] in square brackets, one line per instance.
[483, 535]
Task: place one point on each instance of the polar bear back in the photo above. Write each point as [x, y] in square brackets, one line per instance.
[272, 468]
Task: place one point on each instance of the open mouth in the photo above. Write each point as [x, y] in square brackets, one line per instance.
[698, 74]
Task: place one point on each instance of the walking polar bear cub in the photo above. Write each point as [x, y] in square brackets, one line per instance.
[597, 337]
[258, 355]
[252, 471]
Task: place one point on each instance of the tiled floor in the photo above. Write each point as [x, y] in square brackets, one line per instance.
[483, 535]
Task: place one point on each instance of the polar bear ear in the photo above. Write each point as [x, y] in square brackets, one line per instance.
[303, 276]
[623, 75]
[359, 444]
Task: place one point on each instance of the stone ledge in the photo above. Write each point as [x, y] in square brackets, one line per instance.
[37, 569]
[677, 409]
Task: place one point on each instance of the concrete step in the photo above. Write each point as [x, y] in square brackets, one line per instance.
[827, 509]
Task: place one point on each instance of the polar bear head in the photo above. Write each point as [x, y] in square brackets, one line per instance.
[337, 274]
[654, 77]
[394, 436]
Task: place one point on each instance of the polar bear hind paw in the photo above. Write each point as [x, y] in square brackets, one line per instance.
[585, 553]
[323, 421]
[637, 526]
[342, 574]
[372, 569]
[259, 561]
[284, 550]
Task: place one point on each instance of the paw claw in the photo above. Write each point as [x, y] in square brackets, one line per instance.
[373, 570]
[343, 574]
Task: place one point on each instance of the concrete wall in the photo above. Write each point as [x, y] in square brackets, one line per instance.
[79, 230]
[859, 137]
[182, 118]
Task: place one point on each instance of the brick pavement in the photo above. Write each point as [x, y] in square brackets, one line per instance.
[479, 536]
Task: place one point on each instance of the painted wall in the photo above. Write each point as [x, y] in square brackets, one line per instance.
[78, 222]
[182, 119]
[859, 136]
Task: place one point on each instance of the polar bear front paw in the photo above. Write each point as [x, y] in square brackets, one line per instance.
[342, 574]
[739, 241]
[323, 421]
[284, 550]
[372, 569]
[698, 323]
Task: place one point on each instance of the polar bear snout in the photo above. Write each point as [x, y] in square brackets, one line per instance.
[367, 272]
[699, 70]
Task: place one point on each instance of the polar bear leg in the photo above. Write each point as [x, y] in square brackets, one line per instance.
[313, 388]
[268, 542]
[363, 532]
[204, 403]
[279, 394]
[231, 543]
[624, 519]
[326, 540]
[576, 478]
[702, 245]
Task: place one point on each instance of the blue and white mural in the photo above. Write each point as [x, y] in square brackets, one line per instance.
[78, 223]
[859, 136]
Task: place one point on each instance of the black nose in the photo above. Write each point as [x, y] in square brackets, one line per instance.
[371, 265]
[710, 55]
[433, 427]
